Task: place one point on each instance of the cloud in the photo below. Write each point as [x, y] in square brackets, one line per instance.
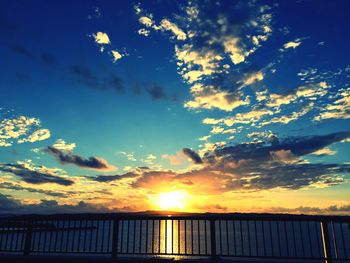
[292, 44]
[35, 175]
[324, 151]
[167, 25]
[95, 163]
[101, 38]
[156, 92]
[209, 45]
[143, 32]
[252, 78]
[10, 205]
[117, 177]
[21, 129]
[86, 76]
[209, 97]
[21, 50]
[64, 146]
[17, 187]
[251, 167]
[195, 158]
[38, 135]
[116, 55]
[48, 59]
[337, 109]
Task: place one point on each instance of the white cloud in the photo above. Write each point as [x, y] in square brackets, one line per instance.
[21, 129]
[292, 44]
[64, 146]
[116, 55]
[101, 38]
[207, 97]
[165, 24]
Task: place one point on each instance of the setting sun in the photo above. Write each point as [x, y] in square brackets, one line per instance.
[171, 200]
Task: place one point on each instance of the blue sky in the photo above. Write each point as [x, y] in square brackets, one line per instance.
[114, 104]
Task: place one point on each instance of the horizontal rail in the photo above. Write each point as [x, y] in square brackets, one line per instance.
[282, 236]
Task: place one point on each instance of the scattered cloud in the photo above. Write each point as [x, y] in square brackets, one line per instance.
[116, 55]
[64, 146]
[21, 129]
[195, 158]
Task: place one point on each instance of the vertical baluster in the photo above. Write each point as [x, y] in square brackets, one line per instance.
[103, 235]
[140, 235]
[248, 234]
[343, 241]
[220, 237]
[234, 237]
[271, 239]
[334, 241]
[115, 237]
[92, 225]
[279, 238]
[128, 236]
[241, 229]
[317, 231]
[109, 236]
[159, 234]
[205, 235]
[153, 233]
[302, 239]
[67, 236]
[185, 234]
[213, 239]
[263, 236]
[134, 238]
[178, 237]
[256, 239]
[172, 236]
[294, 240]
[192, 236]
[310, 242]
[286, 236]
[166, 235]
[199, 238]
[227, 239]
[28, 238]
[97, 234]
[122, 236]
[79, 235]
[326, 242]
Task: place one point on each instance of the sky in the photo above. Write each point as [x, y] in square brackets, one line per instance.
[191, 106]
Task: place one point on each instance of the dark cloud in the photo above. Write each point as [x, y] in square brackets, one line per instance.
[192, 155]
[156, 92]
[9, 205]
[33, 176]
[90, 163]
[251, 167]
[11, 186]
[298, 146]
[109, 178]
[332, 209]
[21, 50]
[48, 59]
[117, 84]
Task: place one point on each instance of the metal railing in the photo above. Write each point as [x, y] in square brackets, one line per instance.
[324, 238]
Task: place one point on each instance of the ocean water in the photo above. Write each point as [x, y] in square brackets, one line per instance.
[167, 237]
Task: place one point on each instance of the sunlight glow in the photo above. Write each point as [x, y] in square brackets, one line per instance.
[171, 200]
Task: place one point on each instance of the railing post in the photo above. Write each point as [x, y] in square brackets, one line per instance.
[326, 242]
[115, 238]
[214, 256]
[28, 239]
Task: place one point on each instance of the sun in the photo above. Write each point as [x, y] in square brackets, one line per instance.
[171, 200]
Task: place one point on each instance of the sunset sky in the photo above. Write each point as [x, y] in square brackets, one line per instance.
[198, 106]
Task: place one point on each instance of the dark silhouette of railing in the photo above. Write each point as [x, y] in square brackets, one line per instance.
[325, 238]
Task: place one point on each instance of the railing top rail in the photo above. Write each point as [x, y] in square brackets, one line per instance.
[176, 216]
